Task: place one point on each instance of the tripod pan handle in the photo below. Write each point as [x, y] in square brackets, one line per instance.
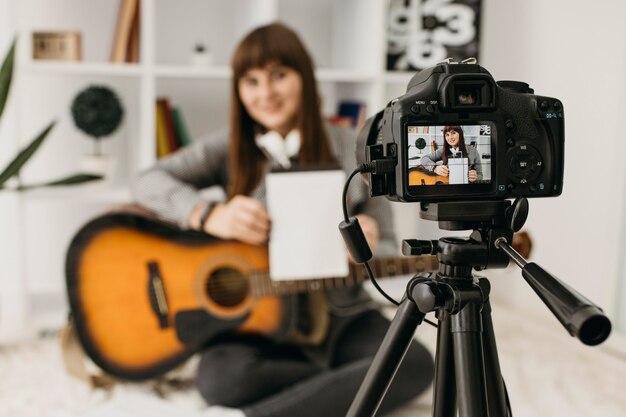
[577, 314]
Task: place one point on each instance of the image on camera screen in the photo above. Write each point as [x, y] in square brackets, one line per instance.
[441, 155]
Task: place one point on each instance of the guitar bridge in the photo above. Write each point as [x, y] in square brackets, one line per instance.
[156, 293]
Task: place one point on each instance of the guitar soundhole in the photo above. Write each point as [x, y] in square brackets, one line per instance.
[227, 287]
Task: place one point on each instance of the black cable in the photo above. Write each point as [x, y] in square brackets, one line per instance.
[345, 194]
[380, 290]
[346, 217]
[363, 169]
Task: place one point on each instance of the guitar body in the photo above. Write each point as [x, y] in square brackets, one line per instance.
[138, 288]
[424, 177]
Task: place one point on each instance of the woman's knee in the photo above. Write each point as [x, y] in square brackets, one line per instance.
[222, 374]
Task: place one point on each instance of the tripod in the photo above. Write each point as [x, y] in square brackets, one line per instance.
[467, 369]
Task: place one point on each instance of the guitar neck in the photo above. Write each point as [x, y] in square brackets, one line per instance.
[262, 285]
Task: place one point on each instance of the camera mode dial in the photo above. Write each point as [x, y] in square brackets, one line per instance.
[525, 163]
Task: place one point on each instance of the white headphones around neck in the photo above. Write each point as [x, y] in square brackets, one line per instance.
[277, 148]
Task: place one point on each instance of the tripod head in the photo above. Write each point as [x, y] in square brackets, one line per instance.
[489, 220]
[488, 246]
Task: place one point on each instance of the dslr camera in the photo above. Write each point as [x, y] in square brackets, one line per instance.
[458, 135]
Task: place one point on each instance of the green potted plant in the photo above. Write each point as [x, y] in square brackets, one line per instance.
[98, 112]
[12, 170]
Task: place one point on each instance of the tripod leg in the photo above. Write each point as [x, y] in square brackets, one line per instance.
[495, 387]
[468, 361]
[444, 392]
[387, 360]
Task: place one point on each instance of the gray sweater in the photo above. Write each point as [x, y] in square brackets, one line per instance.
[172, 187]
[429, 161]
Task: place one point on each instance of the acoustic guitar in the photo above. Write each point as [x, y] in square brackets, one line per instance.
[145, 295]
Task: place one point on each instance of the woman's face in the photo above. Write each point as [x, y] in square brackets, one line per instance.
[272, 96]
[453, 139]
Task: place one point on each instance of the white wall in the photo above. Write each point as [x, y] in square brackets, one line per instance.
[575, 51]
[13, 300]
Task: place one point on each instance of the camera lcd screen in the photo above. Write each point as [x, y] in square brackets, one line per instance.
[449, 155]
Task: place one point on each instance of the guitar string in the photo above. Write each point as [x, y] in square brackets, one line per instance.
[259, 283]
[391, 269]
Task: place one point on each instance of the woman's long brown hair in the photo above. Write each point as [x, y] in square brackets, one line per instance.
[272, 44]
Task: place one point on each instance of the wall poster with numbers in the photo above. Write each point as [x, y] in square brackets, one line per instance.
[422, 33]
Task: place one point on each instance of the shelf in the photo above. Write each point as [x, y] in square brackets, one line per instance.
[175, 71]
[95, 192]
[323, 75]
[183, 71]
[82, 68]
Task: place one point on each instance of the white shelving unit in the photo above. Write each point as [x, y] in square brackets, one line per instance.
[345, 37]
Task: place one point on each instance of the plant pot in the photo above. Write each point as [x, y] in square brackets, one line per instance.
[201, 59]
[104, 165]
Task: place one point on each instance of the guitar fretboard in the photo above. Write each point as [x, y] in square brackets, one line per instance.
[262, 285]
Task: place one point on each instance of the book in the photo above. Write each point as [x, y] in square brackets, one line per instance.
[341, 121]
[355, 110]
[170, 131]
[182, 133]
[163, 146]
[132, 51]
[127, 11]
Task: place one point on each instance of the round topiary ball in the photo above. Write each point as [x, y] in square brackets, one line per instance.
[97, 111]
[420, 143]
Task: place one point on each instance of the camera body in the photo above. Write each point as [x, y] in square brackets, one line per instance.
[458, 135]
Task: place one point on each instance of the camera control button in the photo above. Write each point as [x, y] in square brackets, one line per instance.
[510, 142]
[430, 108]
[544, 105]
[510, 126]
[557, 105]
[415, 109]
[525, 163]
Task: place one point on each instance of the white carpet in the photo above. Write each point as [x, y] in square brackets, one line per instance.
[547, 373]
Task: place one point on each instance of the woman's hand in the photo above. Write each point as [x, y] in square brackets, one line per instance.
[441, 170]
[242, 218]
[472, 175]
[370, 230]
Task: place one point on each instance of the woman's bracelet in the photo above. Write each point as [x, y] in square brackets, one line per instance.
[206, 212]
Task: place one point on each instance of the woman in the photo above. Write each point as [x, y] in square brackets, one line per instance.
[454, 147]
[276, 121]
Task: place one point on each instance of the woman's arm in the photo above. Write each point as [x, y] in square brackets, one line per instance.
[171, 188]
[430, 161]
